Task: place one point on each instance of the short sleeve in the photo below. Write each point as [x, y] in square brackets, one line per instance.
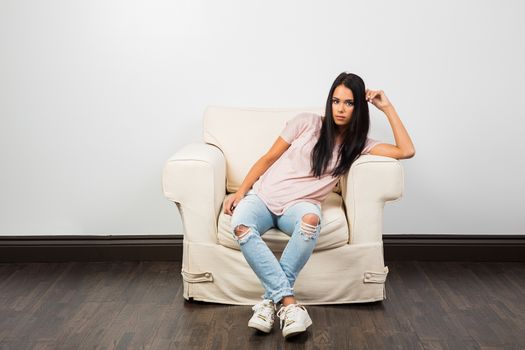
[369, 144]
[295, 126]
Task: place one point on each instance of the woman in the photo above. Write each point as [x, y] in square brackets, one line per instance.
[289, 183]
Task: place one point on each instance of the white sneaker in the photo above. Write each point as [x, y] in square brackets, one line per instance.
[263, 316]
[295, 319]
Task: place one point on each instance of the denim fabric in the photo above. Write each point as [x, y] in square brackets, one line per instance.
[277, 277]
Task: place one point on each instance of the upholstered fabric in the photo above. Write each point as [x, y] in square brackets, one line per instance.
[244, 135]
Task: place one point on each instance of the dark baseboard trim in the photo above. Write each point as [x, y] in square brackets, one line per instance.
[454, 247]
[90, 248]
[169, 248]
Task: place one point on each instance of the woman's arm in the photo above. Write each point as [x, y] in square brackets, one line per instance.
[404, 147]
[266, 161]
[258, 169]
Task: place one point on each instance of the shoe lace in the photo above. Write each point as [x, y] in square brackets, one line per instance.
[264, 307]
[288, 312]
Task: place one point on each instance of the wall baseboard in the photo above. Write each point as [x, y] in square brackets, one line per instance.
[454, 247]
[437, 247]
[90, 248]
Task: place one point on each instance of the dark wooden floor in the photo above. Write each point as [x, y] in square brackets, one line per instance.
[139, 305]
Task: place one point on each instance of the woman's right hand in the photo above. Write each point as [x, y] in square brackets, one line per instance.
[231, 202]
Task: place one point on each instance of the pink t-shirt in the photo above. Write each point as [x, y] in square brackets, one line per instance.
[288, 180]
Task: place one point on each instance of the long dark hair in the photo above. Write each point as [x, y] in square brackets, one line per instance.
[354, 137]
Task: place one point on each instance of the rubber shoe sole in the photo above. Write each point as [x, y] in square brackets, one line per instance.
[291, 331]
[261, 327]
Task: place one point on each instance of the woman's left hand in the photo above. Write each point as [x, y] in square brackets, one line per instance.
[377, 98]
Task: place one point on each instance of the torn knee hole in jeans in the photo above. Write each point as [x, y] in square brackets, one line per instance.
[308, 231]
[242, 232]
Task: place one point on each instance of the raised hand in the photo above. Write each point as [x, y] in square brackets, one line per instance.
[378, 99]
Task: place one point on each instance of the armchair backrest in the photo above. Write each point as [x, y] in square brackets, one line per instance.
[245, 134]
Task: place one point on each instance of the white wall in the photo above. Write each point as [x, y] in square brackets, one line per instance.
[96, 95]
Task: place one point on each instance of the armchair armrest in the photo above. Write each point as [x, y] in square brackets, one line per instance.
[195, 179]
[371, 181]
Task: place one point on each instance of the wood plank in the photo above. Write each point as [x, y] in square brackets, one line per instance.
[139, 305]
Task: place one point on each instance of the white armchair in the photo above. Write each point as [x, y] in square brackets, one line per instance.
[347, 265]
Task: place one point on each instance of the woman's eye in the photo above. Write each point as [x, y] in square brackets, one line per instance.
[350, 103]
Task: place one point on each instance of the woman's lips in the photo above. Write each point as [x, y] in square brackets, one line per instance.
[340, 117]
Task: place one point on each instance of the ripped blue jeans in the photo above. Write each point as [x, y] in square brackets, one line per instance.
[277, 277]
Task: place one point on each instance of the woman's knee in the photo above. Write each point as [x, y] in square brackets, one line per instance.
[241, 231]
[310, 226]
[311, 219]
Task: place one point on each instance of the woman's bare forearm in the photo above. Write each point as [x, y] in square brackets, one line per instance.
[258, 169]
[401, 136]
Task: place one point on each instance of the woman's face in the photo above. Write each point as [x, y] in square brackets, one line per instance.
[342, 106]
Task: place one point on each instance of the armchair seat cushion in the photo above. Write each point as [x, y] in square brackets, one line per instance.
[334, 228]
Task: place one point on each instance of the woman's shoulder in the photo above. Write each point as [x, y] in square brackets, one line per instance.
[305, 121]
